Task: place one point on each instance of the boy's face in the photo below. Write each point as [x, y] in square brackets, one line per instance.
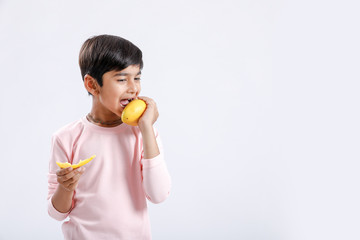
[117, 86]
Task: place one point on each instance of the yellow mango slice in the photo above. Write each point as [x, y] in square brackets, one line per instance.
[63, 165]
[133, 111]
[74, 166]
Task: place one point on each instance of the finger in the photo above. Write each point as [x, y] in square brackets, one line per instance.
[67, 176]
[64, 171]
[80, 170]
[149, 102]
[146, 99]
[77, 175]
[64, 177]
[72, 177]
[69, 182]
[72, 183]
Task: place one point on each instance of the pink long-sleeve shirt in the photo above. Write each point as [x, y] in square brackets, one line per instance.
[110, 199]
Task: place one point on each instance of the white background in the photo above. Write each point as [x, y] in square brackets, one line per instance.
[258, 102]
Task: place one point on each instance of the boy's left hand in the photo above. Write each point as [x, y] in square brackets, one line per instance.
[151, 113]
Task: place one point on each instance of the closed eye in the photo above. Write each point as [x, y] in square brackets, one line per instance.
[121, 80]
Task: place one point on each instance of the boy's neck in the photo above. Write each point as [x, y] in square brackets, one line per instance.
[101, 116]
[101, 123]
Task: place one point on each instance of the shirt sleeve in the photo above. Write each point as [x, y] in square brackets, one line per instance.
[156, 178]
[57, 154]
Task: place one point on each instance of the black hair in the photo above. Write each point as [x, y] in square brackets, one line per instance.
[104, 53]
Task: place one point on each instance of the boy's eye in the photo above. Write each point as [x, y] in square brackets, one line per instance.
[121, 80]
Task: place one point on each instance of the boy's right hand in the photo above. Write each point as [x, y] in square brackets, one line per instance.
[68, 178]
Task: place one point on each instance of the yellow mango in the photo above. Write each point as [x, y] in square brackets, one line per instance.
[133, 111]
[63, 165]
[74, 166]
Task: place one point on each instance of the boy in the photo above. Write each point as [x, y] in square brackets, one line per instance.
[107, 200]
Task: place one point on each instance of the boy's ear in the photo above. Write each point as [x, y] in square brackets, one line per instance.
[91, 85]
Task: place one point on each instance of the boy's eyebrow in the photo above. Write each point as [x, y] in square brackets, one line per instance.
[125, 74]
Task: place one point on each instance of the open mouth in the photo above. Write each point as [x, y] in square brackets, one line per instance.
[125, 102]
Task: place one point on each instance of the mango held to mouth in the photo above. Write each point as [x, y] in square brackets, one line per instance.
[133, 111]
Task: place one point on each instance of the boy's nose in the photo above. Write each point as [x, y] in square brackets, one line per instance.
[132, 86]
